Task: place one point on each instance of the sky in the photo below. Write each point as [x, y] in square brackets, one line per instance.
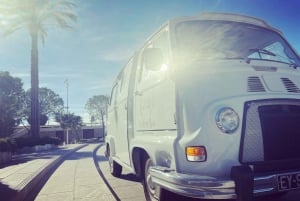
[109, 31]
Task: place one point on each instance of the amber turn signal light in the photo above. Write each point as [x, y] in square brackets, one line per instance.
[196, 153]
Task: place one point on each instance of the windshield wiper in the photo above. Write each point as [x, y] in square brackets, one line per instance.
[294, 65]
[263, 51]
[291, 64]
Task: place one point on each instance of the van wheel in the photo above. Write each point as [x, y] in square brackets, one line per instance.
[114, 167]
[152, 191]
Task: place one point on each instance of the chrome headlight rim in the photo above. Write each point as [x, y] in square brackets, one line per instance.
[227, 120]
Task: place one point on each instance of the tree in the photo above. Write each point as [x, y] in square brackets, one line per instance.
[96, 107]
[35, 16]
[69, 121]
[50, 104]
[11, 99]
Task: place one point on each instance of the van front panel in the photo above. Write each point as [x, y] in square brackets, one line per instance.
[259, 102]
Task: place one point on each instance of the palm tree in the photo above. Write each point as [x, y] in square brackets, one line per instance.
[69, 121]
[35, 16]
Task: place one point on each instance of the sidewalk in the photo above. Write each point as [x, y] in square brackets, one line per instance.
[76, 179]
[26, 171]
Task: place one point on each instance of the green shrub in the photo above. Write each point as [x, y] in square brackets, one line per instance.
[50, 140]
[26, 142]
[30, 142]
[7, 145]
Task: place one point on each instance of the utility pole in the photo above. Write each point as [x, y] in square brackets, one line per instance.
[67, 86]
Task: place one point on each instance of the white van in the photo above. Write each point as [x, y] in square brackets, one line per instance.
[209, 107]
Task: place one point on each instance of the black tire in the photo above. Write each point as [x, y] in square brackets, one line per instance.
[114, 167]
[151, 191]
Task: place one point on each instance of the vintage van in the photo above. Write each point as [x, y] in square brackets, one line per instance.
[209, 107]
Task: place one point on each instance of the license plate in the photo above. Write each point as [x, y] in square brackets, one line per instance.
[288, 181]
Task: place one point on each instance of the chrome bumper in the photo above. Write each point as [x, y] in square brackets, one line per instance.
[207, 187]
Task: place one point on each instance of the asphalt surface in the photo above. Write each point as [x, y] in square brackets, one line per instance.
[26, 172]
[77, 172]
[76, 179]
[126, 188]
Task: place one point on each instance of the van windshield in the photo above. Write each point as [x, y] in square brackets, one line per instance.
[213, 39]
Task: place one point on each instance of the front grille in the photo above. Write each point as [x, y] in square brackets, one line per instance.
[271, 131]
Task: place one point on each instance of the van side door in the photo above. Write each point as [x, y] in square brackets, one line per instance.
[122, 141]
[155, 91]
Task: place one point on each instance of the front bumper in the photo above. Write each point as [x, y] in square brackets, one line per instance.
[193, 185]
[206, 187]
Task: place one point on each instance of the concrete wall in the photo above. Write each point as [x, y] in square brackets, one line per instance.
[85, 132]
[74, 136]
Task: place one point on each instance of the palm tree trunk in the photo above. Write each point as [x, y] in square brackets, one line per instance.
[35, 120]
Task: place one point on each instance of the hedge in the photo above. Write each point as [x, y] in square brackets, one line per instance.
[30, 142]
[7, 145]
[10, 144]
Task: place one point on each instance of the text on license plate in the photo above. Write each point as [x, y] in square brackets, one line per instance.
[288, 181]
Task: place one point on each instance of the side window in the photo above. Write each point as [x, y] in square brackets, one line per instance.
[114, 94]
[144, 73]
[278, 49]
[274, 51]
[161, 41]
[125, 78]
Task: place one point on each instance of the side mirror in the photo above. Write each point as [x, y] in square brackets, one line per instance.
[153, 58]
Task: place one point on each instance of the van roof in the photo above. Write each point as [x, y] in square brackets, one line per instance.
[228, 17]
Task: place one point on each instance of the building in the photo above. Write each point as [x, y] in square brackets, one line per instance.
[85, 133]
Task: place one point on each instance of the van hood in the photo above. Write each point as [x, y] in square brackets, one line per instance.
[229, 78]
[201, 84]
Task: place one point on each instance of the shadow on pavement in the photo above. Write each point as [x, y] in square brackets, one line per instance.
[80, 155]
[6, 192]
[130, 177]
[281, 197]
[26, 157]
[101, 158]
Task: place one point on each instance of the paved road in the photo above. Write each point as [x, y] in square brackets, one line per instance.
[128, 188]
[76, 179]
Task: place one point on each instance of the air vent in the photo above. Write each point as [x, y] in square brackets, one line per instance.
[255, 85]
[265, 68]
[289, 85]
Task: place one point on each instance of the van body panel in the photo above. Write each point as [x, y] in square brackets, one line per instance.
[149, 103]
[158, 145]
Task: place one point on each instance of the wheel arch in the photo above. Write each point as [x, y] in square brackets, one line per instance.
[110, 144]
[138, 156]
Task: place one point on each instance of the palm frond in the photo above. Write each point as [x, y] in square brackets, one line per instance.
[62, 22]
[11, 28]
[67, 4]
[34, 15]
[67, 15]
[42, 34]
[71, 16]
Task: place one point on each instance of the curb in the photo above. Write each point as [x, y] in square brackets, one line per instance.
[29, 188]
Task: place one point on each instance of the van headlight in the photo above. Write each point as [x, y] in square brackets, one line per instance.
[227, 120]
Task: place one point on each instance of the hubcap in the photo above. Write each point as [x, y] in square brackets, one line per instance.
[110, 161]
[150, 184]
[151, 188]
